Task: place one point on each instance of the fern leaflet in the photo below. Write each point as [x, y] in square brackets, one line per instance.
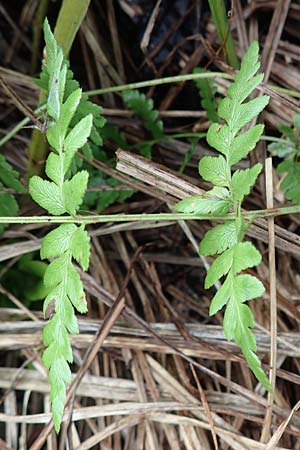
[207, 91]
[9, 178]
[289, 149]
[143, 108]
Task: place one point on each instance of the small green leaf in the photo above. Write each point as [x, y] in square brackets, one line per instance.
[58, 241]
[81, 247]
[143, 107]
[76, 139]
[68, 317]
[243, 180]
[238, 321]
[218, 137]
[75, 290]
[59, 376]
[296, 121]
[53, 168]
[49, 333]
[207, 92]
[290, 183]
[214, 169]
[68, 110]
[239, 117]
[247, 287]
[221, 297]
[216, 201]
[289, 132]
[219, 239]
[244, 143]
[51, 46]
[47, 195]
[74, 190]
[282, 149]
[245, 256]
[8, 207]
[10, 177]
[55, 272]
[220, 267]
[240, 91]
[53, 101]
[54, 136]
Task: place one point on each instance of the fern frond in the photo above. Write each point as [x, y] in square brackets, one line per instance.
[207, 91]
[9, 178]
[290, 151]
[68, 242]
[226, 240]
[143, 107]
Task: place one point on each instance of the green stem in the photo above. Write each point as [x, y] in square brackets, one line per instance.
[158, 81]
[104, 218]
[70, 16]
[37, 32]
[218, 12]
[165, 137]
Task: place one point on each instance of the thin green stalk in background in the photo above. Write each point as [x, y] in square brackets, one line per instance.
[70, 16]
[219, 15]
[144, 84]
[37, 34]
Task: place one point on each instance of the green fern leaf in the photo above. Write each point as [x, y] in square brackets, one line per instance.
[68, 242]
[207, 91]
[76, 139]
[10, 177]
[213, 169]
[219, 239]
[216, 201]
[81, 247]
[73, 191]
[8, 206]
[226, 239]
[290, 183]
[243, 180]
[47, 195]
[290, 150]
[57, 242]
[244, 143]
[143, 107]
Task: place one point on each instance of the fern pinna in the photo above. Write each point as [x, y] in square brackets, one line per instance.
[68, 242]
[289, 149]
[227, 194]
[143, 107]
[9, 179]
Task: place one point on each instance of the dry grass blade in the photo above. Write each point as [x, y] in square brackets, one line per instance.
[206, 407]
[127, 422]
[280, 430]
[273, 303]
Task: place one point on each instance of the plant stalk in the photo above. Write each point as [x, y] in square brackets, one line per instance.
[218, 11]
[104, 218]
